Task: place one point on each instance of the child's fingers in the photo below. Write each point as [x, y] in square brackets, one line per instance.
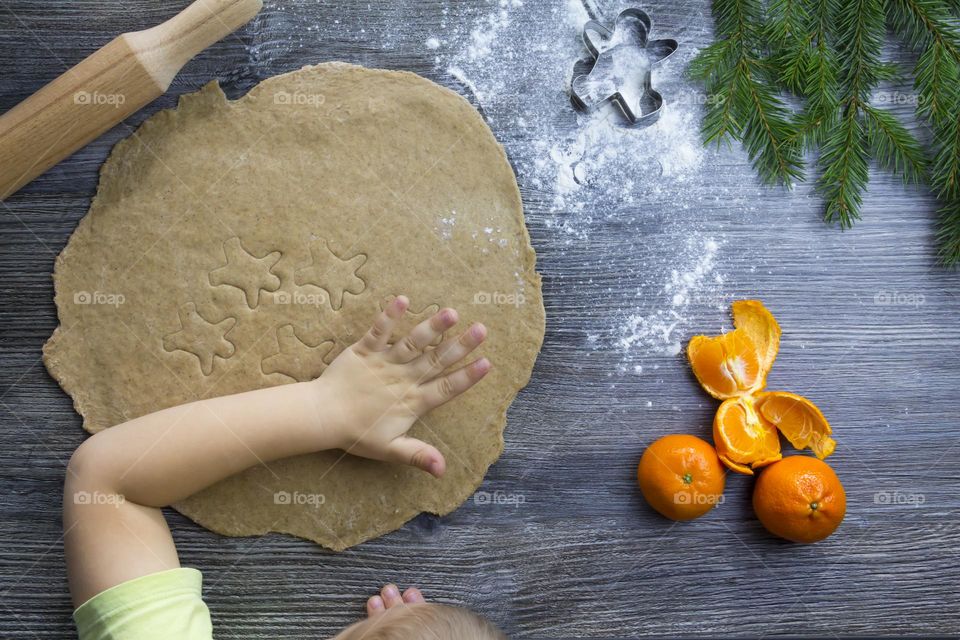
[412, 345]
[417, 453]
[451, 351]
[413, 596]
[391, 596]
[375, 606]
[378, 336]
[446, 388]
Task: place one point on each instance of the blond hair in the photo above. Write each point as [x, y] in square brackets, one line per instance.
[426, 621]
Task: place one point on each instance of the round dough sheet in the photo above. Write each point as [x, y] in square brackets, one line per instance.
[240, 244]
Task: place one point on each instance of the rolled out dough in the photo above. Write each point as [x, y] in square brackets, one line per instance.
[241, 244]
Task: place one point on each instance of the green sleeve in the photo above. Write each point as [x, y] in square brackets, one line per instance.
[158, 606]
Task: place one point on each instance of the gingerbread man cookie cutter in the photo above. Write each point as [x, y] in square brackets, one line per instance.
[622, 59]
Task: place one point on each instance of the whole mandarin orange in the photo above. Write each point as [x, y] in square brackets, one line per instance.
[681, 476]
[799, 498]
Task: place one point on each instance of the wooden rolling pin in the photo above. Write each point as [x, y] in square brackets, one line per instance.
[112, 83]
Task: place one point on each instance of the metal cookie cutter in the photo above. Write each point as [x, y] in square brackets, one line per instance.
[622, 60]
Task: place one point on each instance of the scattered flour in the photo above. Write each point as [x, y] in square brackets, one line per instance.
[589, 172]
[483, 37]
[657, 330]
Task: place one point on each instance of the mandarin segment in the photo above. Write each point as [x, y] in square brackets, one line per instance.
[799, 420]
[754, 318]
[744, 439]
[726, 366]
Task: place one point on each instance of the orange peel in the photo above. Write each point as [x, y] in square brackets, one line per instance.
[799, 420]
[758, 323]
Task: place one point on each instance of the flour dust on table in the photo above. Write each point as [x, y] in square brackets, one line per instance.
[519, 63]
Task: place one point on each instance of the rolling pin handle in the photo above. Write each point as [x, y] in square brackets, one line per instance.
[165, 48]
[112, 83]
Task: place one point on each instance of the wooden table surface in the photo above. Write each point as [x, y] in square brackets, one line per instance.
[582, 555]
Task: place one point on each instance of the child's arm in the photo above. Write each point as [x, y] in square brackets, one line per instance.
[364, 403]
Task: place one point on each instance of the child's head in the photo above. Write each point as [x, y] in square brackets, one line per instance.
[434, 621]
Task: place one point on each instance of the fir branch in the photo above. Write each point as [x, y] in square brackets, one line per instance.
[923, 22]
[844, 158]
[893, 146]
[936, 76]
[860, 31]
[948, 233]
[787, 22]
[720, 123]
[741, 103]
[945, 173]
[827, 53]
[788, 34]
[930, 27]
[711, 63]
[767, 130]
[819, 114]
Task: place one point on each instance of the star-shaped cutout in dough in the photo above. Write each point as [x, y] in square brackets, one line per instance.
[201, 338]
[296, 359]
[333, 274]
[246, 271]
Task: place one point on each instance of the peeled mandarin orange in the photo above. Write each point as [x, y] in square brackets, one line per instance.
[726, 366]
[758, 323]
[799, 420]
[744, 439]
[681, 476]
[800, 499]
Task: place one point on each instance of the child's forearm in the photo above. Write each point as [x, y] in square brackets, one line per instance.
[166, 456]
[118, 479]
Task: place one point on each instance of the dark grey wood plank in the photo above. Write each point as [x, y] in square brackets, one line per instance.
[582, 556]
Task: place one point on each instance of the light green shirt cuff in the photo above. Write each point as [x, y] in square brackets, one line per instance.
[159, 606]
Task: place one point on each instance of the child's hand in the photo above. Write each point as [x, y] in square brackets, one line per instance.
[373, 392]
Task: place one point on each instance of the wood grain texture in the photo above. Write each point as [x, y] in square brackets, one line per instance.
[582, 556]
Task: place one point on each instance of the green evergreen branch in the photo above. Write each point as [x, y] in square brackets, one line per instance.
[924, 21]
[931, 29]
[819, 114]
[788, 31]
[844, 159]
[936, 77]
[946, 162]
[827, 54]
[893, 146]
[948, 232]
[743, 105]
[860, 30]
